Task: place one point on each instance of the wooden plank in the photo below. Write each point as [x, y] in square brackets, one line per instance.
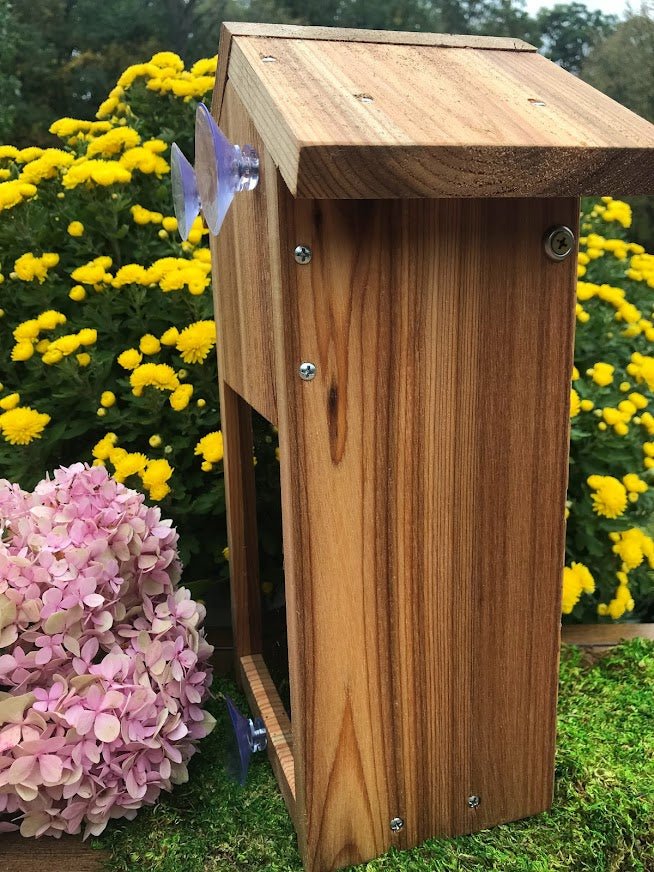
[265, 701]
[67, 854]
[604, 635]
[230, 29]
[242, 281]
[236, 423]
[423, 484]
[441, 122]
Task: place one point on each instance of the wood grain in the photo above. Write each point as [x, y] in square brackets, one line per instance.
[265, 702]
[423, 485]
[242, 281]
[231, 29]
[604, 635]
[67, 854]
[443, 122]
[236, 423]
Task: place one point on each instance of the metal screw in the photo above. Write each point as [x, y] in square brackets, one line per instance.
[364, 98]
[302, 253]
[307, 371]
[535, 102]
[268, 59]
[397, 824]
[559, 242]
[474, 801]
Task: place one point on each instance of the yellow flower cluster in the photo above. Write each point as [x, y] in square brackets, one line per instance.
[154, 473]
[65, 128]
[642, 269]
[601, 373]
[114, 141]
[66, 345]
[94, 272]
[46, 166]
[19, 425]
[210, 448]
[27, 333]
[29, 267]
[632, 547]
[99, 172]
[169, 273]
[145, 216]
[14, 192]
[155, 375]
[619, 417]
[614, 210]
[609, 495]
[622, 601]
[577, 579]
[165, 74]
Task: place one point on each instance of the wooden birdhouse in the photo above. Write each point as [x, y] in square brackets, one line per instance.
[397, 296]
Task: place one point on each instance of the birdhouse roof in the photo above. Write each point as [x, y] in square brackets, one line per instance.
[377, 114]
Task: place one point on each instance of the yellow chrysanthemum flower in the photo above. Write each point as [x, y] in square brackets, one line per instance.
[196, 341]
[609, 497]
[130, 358]
[21, 425]
[210, 447]
[155, 375]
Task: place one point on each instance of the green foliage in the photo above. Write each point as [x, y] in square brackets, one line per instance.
[602, 819]
[569, 31]
[68, 387]
[612, 425]
[9, 84]
[622, 66]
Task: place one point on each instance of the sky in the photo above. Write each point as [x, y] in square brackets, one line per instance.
[614, 7]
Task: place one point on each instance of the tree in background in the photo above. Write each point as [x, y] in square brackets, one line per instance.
[570, 31]
[9, 84]
[622, 66]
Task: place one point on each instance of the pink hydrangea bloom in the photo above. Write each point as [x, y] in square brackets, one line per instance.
[104, 667]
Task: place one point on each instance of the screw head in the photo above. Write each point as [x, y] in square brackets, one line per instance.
[397, 824]
[559, 242]
[302, 254]
[474, 801]
[307, 370]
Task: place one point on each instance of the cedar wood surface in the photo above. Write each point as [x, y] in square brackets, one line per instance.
[264, 700]
[444, 121]
[242, 285]
[423, 483]
[238, 467]
[441, 333]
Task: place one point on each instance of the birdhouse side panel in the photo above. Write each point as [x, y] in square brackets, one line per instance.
[241, 280]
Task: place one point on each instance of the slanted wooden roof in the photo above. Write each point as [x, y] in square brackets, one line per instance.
[370, 114]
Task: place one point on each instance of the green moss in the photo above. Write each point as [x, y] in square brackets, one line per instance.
[602, 819]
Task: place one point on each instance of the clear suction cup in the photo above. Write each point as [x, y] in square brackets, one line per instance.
[222, 169]
[186, 200]
[249, 737]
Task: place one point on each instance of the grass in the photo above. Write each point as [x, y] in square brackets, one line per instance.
[602, 819]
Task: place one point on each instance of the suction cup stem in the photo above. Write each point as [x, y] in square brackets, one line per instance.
[223, 169]
[186, 201]
[250, 736]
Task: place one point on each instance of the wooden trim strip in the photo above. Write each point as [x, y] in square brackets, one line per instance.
[604, 635]
[265, 701]
[388, 37]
